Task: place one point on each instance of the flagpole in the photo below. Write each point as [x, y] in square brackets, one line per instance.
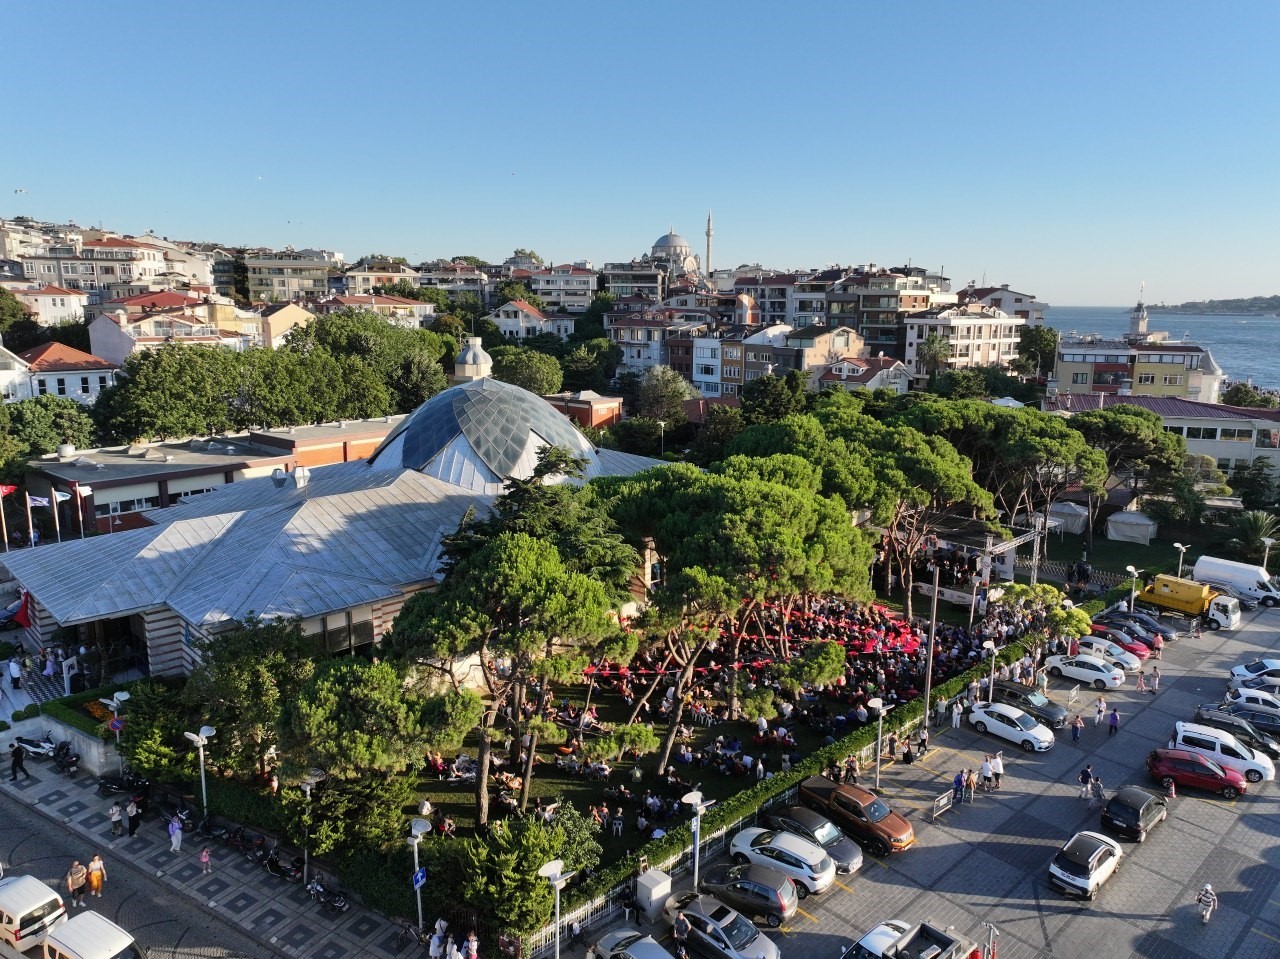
[31, 530]
[53, 501]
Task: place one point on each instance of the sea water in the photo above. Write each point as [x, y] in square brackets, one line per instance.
[1244, 346]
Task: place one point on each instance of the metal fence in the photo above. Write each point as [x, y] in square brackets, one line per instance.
[604, 909]
[1059, 570]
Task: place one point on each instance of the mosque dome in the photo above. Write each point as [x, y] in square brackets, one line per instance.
[670, 244]
[476, 434]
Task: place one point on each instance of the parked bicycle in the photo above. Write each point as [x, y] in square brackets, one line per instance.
[410, 931]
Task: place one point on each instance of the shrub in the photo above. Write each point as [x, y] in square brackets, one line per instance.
[246, 804]
[68, 709]
[3, 725]
[18, 715]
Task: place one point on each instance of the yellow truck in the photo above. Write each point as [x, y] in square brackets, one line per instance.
[1193, 599]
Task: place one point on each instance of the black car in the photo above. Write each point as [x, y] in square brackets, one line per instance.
[1133, 812]
[1247, 603]
[1030, 701]
[1241, 728]
[821, 831]
[756, 891]
[1263, 721]
[1147, 622]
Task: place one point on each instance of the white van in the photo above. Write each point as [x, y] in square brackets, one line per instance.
[88, 935]
[1224, 749]
[1253, 581]
[28, 910]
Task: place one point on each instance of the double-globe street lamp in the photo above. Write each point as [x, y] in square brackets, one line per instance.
[1133, 586]
[201, 739]
[1182, 553]
[695, 801]
[314, 777]
[554, 873]
[991, 685]
[417, 829]
[878, 705]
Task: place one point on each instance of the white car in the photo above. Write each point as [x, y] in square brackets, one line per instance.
[874, 943]
[1259, 667]
[1012, 724]
[1254, 699]
[1086, 669]
[1087, 861]
[808, 864]
[1107, 651]
[1261, 684]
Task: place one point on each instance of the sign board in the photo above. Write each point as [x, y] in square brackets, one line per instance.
[1074, 698]
[116, 724]
[697, 821]
[420, 878]
[942, 804]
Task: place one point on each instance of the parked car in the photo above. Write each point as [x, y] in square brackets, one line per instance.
[755, 891]
[716, 931]
[808, 864]
[1012, 724]
[1224, 749]
[1259, 667]
[1264, 684]
[1086, 669]
[1100, 647]
[1181, 766]
[1122, 639]
[1262, 719]
[875, 942]
[1247, 603]
[629, 944]
[1133, 812]
[1254, 699]
[895, 939]
[1150, 623]
[1256, 739]
[821, 831]
[1087, 861]
[862, 815]
[1153, 641]
[1031, 701]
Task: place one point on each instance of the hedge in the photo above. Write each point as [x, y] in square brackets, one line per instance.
[742, 804]
[67, 709]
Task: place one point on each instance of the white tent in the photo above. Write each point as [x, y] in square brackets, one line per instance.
[1072, 517]
[1008, 402]
[1131, 528]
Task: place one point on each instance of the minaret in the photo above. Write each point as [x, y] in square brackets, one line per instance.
[710, 233]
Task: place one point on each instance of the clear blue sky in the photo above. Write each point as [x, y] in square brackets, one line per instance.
[1072, 150]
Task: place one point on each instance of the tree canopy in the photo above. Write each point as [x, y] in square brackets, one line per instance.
[529, 369]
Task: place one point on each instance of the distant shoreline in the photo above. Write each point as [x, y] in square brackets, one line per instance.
[1180, 312]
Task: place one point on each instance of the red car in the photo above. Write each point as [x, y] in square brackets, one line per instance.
[1186, 768]
[1121, 639]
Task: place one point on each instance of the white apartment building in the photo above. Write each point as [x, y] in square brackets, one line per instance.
[565, 288]
[979, 336]
[455, 279]
[56, 369]
[290, 274]
[1024, 306]
[517, 320]
[360, 282]
[707, 364]
[52, 305]
[95, 266]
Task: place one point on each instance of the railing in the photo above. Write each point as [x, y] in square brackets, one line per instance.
[1058, 569]
[604, 908]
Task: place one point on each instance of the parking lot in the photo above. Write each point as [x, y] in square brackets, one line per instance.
[988, 861]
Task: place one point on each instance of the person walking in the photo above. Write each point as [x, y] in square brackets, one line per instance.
[1096, 794]
[1208, 901]
[471, 948]
[1155, 679]
[77, 878]
[206, 866]
[116, 815]
[15, 672]
[957, 711]
[1099, 710]
[1113, 722]
[986, 774]
[922, 746]
[1142, 681]
[17, 762]
[957, 787]
[997, 768]
[1085, 779]
[1077, 727]
[680, 930]
[97, 875]
[970, 784]
[134, 816]
[175, 834]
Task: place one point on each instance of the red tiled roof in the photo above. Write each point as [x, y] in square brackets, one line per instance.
[696, 410]
[365, 299]
[1170, 406]
[163, 299]
[50, 291]
[525, 307]
[54, 357]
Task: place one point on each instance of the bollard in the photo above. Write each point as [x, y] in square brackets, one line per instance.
[1173, 790]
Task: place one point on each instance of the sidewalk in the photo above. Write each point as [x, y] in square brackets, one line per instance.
[278, 914]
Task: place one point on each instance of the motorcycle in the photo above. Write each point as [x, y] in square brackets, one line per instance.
[67, 761]
[258, 856]
[130, 782]
[330, 900]
[289, 871]
[42, 748]
[208, 829]
[182, 812]
[242, 840]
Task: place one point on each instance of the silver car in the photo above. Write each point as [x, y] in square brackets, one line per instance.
[716, 931]
[629, 944]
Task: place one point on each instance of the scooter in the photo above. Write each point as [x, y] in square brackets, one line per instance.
[330, 900]
[208, 829]
[289, 871]
[66, 761]
[258, 856]
[182, 812]
[129, 782]
[42, 748]
[242, 840]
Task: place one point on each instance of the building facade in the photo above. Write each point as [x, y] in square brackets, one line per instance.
[565, 288]
[289, 274]
[52, 305]
[978, 336]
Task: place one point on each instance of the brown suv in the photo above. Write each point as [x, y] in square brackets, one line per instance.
[860, 813]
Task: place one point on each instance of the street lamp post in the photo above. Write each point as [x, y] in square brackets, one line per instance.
[878, 705]
[314, 777]
[418, 828]
[1133, 586]
[201, 739]
[554, 873]
[1267, 543]
[1182, 552]
[933, 628]
[662, 438]
[990, 644]
[115, 703]
[695, 800]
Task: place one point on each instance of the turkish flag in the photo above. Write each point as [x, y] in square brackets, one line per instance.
[23, 616]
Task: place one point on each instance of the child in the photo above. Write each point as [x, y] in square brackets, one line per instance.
[206, 867]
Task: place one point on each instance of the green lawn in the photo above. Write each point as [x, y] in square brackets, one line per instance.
[1114, 556]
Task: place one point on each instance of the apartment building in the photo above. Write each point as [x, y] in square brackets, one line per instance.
[457, 278]
[978, 336]
[360, 281]
[1024, 306]
[565, 288]
[643, 331]
[642, 277]
[870, 373]
[289, 274]
[518, 320]
[877, 302]
[51, 305]
[404, 312]
[96, 266]
[774, 294]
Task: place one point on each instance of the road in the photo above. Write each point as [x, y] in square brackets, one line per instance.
[170, 926]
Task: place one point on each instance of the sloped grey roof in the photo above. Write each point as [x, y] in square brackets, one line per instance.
[354, 535]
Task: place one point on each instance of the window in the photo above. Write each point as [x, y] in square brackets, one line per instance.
[1238, 435]
[1173, 381]
[62, 386]
[733, 371]
[1176, 430]
[1146, 379]
[84, 385]
[1202, 433]
[1079, 377]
